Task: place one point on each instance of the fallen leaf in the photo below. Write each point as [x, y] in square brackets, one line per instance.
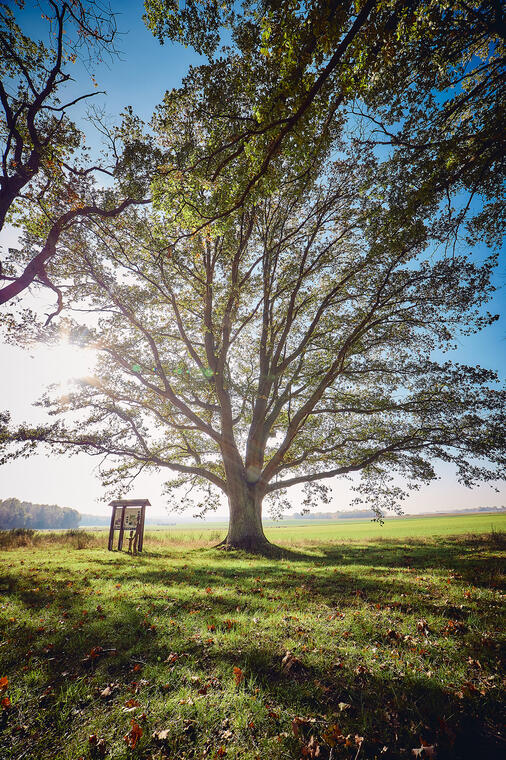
[290, 662]
[454, 627]
[333, 735]
[161, 736]
[133, 736]
[297, 723]
[447, 731]
[97, 746]
[239, 675]
[422, 626]
[311, 749]
[426, 751]
[109, 689]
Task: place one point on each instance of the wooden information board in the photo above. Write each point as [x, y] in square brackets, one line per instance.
[128, 514]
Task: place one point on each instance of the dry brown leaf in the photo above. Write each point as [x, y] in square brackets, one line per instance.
[311, 749]
[297, 722]
[161, 736]
[333, 735]
[290, 662]
[425, 751]
[422, 626]
[133, 736]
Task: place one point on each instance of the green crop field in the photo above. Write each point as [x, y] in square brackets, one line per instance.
[305, 533]
[356, 641]
[392, 528]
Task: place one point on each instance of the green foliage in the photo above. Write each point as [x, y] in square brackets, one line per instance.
[195, 23]
[427, 76]
[38, 137]
[48, 177]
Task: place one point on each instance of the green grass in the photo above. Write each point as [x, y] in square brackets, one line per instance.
[290, 533]
[395, 640]
[392, 528]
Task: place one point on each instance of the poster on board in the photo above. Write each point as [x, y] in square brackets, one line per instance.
[132, 514]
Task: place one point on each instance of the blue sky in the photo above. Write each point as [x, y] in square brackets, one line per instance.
[139, 76]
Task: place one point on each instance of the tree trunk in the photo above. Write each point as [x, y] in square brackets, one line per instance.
[245, 529]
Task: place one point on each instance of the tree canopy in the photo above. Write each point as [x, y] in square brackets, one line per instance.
[429, 76]
[47, 176]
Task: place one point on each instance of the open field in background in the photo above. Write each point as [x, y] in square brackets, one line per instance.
[361, 642]
[284, 533]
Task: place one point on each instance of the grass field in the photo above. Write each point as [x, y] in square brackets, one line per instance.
[361, 642]
[300, 533]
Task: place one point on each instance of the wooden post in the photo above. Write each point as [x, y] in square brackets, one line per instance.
[136, 536]
[141, 537]
[111, 529]
[121, 528]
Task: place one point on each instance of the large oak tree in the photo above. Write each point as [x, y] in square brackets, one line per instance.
[291, 345]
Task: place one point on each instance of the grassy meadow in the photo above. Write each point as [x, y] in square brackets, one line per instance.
[358, 641]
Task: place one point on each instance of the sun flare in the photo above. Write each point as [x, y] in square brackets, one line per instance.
[69, 362]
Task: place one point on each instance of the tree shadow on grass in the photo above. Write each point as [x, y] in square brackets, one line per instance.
[392, 707]
[393, 711]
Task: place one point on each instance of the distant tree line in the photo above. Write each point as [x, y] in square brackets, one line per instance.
[23, 514]
[93, 520]
[357, 514]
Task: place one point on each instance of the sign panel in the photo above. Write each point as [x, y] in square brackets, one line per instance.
[131, 515]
